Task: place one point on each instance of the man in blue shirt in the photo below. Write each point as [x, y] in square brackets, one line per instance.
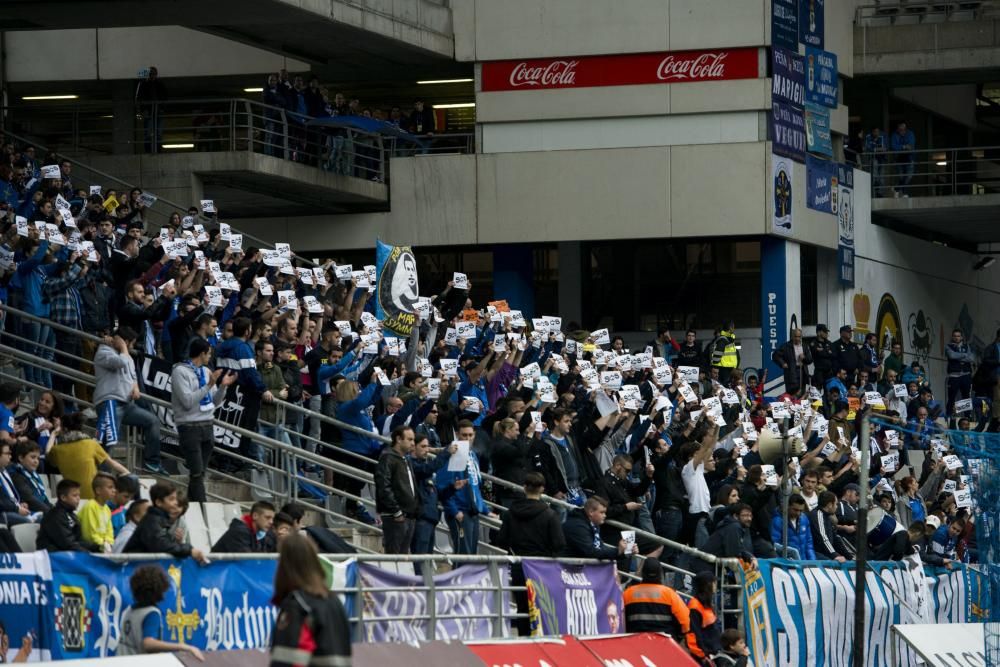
[461, 494]
[903, 142]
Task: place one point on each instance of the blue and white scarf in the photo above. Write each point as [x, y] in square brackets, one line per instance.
[206, 404]
[107, 423]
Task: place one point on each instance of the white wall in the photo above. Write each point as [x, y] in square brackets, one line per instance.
[919, 276]
[548, 135]
[118, 53]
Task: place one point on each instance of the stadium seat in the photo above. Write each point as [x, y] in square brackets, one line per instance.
[26, 534]
[197, 527]
[216, 521]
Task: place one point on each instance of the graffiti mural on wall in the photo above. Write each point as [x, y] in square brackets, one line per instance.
[920, 329]
[888, 324]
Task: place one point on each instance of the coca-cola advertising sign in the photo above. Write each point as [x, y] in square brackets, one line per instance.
[622, 70]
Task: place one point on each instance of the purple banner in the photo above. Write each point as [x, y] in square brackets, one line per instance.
[461, 614]
[573, 600]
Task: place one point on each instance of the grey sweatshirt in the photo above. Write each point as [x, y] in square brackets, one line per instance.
[186, 395]
[114, 374]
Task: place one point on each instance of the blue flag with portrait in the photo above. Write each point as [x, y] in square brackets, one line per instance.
[396, 288]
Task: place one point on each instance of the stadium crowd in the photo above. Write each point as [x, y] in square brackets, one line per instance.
[668, 437]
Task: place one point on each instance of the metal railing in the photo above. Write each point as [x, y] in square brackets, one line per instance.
[925, 11]
[498, 586]
[229, 124]
[936, 172]
[287, 458]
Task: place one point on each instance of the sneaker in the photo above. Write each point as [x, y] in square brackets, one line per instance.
[361, 514]
[155, 469]
[90, 413]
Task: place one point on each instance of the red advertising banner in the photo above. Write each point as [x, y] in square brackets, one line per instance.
[622, 70]
[640, 650]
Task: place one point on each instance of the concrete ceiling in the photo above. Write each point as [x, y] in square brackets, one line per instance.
[336, 50]
[961, 221]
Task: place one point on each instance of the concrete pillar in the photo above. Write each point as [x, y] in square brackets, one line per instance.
[514, 275]
[571, 282]
[781, 303]
[123, 132]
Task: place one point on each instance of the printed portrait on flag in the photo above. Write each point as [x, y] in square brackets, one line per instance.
[397, 288]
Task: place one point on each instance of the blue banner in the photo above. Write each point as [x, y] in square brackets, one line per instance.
[821, 185]
[221, 606]
[25, 590]
[845, 223]
[785, 24]
[788, 77]
[775, 316]
[396, 288]
[821, 77]
[818, 138]
[811, 22]
[802, 614]
[788, 131]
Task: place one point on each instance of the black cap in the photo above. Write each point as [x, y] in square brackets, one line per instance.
[846, 327]
[822, 327]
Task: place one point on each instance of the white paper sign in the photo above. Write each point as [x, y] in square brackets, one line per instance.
[952, 462]
[465, 330]
[283, 249]
[890, 462]
[459, 461]
[601, 337]
[147, 199]
[874, 399]
[449, 367]
[291, 301]
[770, 475]
[360, 279]
[51, 171]
[95, 189]
[236, 242]
[687, 393]
[263, 286]
[663, 375]
[461, 280]
[312, 304]
[963, 498]
[964, 405]
[688, 373]
[214, 295]
[611, 379]
[208, 206]
[899, 390]
[225, 231]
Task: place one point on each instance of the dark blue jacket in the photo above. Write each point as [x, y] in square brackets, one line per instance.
[800, 539]
[423, 472]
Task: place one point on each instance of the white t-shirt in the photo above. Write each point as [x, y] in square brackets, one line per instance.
[699, 499]
[811, 501]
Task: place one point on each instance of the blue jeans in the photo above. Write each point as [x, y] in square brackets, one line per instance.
[464, 534]
[905, 173]
[275, 433]
[131, 414]
[40, 334]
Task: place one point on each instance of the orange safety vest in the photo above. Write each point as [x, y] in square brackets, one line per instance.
[655, 608]
[709, 629]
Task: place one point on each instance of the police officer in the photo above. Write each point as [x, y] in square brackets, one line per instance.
[822, 354]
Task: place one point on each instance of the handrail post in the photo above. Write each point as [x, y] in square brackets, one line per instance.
[284, 134]
[250, 124]
[428, 569]
[498, 601]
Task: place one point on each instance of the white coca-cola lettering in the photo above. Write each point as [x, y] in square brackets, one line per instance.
[704, 66]
[556, 73]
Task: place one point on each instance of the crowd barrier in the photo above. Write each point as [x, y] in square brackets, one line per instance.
[73, 603]
[801, 614]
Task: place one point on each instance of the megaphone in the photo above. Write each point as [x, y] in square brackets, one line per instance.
[771, 449]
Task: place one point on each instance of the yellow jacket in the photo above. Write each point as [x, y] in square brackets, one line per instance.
[95, 523]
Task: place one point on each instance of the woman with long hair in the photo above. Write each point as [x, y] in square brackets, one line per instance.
[312, 626]
[42, 423]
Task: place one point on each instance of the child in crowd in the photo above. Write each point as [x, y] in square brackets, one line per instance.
[60, 528]
[27, 481]
[142, 625]
[126, 488]
[95, 517]
[133, 515]
[734, 651]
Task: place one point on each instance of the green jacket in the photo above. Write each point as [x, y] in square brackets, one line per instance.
[274, 380]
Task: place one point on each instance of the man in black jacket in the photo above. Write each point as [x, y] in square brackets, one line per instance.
[530, 528]
[60, 529]
[153, 534]
[821, 351]
[793, 358]
[622, 494]
[846, 353]
[822, 520]
[582, 530]
[138, 317]
[690, 353]
[249, 533]
[732, 538]
[396, 498]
